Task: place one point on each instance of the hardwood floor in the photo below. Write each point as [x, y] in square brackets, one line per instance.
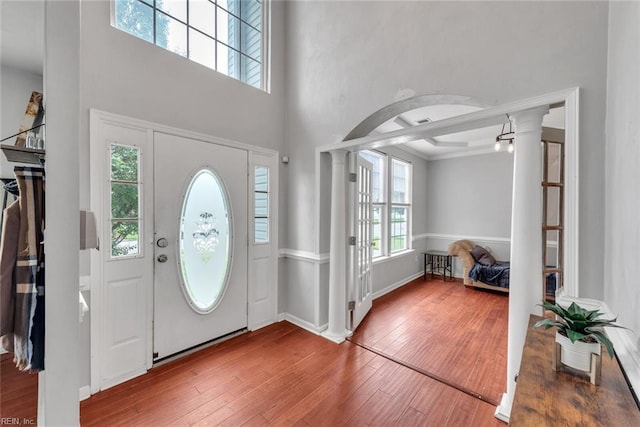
[283, 375]
[454, 333]
[18, 392]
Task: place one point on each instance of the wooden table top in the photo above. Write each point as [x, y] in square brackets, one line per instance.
[544, 397]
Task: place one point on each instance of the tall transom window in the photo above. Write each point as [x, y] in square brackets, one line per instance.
[224, 35]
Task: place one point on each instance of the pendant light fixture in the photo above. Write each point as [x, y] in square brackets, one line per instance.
[506, 137]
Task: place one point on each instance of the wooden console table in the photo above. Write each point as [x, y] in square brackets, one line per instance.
[547, 398]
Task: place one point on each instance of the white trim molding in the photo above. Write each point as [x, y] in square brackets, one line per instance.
[307, 326]
[304, 256]
[484, 239]
[454, 237]
[392, 287]
[392, 257]
[503, 410]
[84, 392]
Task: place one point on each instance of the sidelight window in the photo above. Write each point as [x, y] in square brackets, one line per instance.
[125, 216]
[261, 205]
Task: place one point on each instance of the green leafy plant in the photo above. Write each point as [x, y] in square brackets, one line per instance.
[579, 324]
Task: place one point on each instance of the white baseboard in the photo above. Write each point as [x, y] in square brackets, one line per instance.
[304, 324]
[85, 392]
[502, 410]
[396, 285]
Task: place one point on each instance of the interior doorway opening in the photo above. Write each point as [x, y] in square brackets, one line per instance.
[525, 234]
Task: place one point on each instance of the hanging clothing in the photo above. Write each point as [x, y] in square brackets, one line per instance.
[29, 271]
[8, 256]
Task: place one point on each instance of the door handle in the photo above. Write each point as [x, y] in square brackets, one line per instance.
[162, 258]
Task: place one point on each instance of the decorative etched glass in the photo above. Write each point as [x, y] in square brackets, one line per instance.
[205, 241]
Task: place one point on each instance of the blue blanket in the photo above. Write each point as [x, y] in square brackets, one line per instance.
[496, 274]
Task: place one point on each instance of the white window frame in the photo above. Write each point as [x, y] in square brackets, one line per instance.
[386, 204]
[264, 36]
[406, 205]
[268, 198]
[141, 218]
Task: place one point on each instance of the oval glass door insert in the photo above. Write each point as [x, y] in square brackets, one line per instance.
[205, 241]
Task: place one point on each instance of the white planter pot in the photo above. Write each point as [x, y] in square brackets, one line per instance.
[577, 355]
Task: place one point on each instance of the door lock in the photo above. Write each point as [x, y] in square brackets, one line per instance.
[162, 242]
[162, 258]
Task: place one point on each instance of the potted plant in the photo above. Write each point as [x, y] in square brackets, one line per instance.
[579, 335]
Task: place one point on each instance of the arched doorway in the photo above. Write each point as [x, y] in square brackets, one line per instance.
[526, 212]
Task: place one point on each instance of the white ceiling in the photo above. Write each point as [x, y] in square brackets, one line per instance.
[22, 34]
[477, 141]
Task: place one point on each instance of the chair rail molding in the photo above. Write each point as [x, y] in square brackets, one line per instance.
[306, 256]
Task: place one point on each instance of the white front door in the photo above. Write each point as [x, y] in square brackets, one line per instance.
[361, 248]
[200, 215]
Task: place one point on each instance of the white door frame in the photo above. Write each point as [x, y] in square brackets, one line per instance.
[257, 155]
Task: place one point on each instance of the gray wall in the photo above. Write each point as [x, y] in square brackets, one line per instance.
[346, 60]
[125, 75]
[471, 196]
[16, 86]
[622, 237]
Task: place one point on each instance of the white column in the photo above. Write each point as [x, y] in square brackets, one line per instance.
[525, 286]
[337, 330]
[58, 386]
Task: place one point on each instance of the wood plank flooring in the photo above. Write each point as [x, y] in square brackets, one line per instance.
[282, 375]
[458, 334]
[18, 392]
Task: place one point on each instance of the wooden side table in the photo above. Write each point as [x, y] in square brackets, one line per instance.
[545, 397]
[440, 262]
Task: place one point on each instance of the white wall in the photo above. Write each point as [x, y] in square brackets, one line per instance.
[16, 86]
[346, 60]
[622, 201]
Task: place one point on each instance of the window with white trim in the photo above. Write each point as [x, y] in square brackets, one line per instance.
[391, 203]
[400, 205]
[224, 35]
[261, 205]
[125, 200]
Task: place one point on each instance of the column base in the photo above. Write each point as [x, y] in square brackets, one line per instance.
[336, 337]
[503, 411]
